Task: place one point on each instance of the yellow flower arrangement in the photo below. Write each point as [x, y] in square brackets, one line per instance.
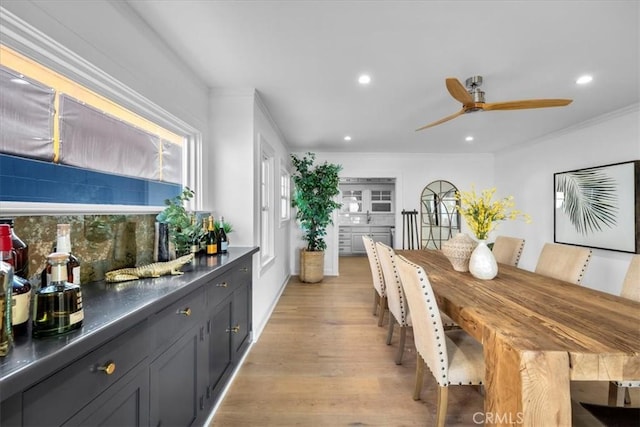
[481, 213]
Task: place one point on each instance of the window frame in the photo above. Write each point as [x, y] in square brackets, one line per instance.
[267, 199]
[285, 195]
[23, 38]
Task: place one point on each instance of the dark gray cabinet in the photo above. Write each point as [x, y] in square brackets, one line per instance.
[229, 326]
[165, 364]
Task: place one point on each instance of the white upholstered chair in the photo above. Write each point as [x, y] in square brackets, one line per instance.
[563, 262]
[619, 390]
[507, 250]
[396, 301]
[453, 357]
[379, 288]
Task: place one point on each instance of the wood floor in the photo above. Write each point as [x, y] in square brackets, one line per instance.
[323, 361]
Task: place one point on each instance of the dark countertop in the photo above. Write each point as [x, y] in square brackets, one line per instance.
[109, 310]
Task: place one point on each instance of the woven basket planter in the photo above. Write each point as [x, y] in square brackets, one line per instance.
[311, 266]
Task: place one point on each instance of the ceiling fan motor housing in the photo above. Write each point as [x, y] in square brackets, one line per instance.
[473, 85]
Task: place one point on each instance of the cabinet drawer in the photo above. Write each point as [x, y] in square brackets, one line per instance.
[220, 287]
[170, 323]
[56, 399]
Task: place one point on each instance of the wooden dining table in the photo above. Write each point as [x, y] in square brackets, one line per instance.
[538, 334]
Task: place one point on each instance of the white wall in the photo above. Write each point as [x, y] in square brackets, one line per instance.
[239, 124]
[527, 174]
[413, 172]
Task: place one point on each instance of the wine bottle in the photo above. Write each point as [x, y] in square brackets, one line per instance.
[195, 241]
[57, 308]
[21, 251]
[212, 238]
[223, 242]
[21, 288]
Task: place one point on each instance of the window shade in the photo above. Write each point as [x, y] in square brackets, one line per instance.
[26, 116]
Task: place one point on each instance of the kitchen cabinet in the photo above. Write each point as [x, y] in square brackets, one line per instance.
[354, 236]
[361, 195]
[173, 343]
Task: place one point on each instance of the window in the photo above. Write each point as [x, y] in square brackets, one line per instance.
[93, 154]
[285, 194]
[267, 213]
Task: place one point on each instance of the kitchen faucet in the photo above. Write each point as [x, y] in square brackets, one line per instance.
[368, 217]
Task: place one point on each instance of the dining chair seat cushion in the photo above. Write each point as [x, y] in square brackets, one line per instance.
[466, 361]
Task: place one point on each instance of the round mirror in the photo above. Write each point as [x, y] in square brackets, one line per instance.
[439, 218]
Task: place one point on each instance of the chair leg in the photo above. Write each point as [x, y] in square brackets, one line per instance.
[419, 376]
[403, 336]
[627, 396]
[441, 411]
[383, 307]
[392, 323]
[617, 395]
[376, 301]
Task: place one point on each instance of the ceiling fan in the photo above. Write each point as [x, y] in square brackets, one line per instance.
[472, 99]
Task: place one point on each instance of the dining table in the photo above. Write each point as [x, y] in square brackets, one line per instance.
[538, 334]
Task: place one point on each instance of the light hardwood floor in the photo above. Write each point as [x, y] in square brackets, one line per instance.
[322, 361]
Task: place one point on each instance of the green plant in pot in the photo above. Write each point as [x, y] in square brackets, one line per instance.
[182, 230]
[315, 189]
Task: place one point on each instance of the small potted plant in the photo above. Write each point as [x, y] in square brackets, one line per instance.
[315, 189]
[182, 229]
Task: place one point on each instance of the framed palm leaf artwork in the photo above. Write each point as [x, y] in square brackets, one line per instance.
[599, 207]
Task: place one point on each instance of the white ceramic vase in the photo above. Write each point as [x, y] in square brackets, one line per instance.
[482, 264]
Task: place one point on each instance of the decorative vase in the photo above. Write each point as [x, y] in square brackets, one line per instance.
[482, 263]
[458, 250]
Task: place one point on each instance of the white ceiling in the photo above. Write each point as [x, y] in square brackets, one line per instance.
[304, 58]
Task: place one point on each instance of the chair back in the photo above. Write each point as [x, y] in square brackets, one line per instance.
[428, 333]
[631, 284]
[374, 263]
[393, 286]
[563, 262]
[507, 250]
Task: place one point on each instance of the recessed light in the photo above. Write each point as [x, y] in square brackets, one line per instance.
[347, 138]
[469, 138]
[583, 80]
[364, 79]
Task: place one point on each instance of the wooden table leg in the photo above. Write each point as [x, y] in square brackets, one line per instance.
[525, 388]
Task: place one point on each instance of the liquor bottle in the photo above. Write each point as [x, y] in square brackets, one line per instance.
[6, 279]
[63, 244]
[57, 308]
[223, 242]
[212, 238]
[21, 288]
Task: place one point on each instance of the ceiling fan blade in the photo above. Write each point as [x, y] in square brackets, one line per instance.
[458, 91]
[446, 119]
[526, 104]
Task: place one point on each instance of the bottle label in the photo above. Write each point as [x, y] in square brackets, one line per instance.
[76, 275]
[212, 249]
[76, 317]
[20, 308]
[224, 246]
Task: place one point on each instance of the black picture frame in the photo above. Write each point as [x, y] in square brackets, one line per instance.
[598, 207]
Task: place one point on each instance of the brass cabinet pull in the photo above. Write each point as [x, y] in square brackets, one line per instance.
[186, 311]
[108, 368]
[234, 329]
[222, 285]
[244, 269]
